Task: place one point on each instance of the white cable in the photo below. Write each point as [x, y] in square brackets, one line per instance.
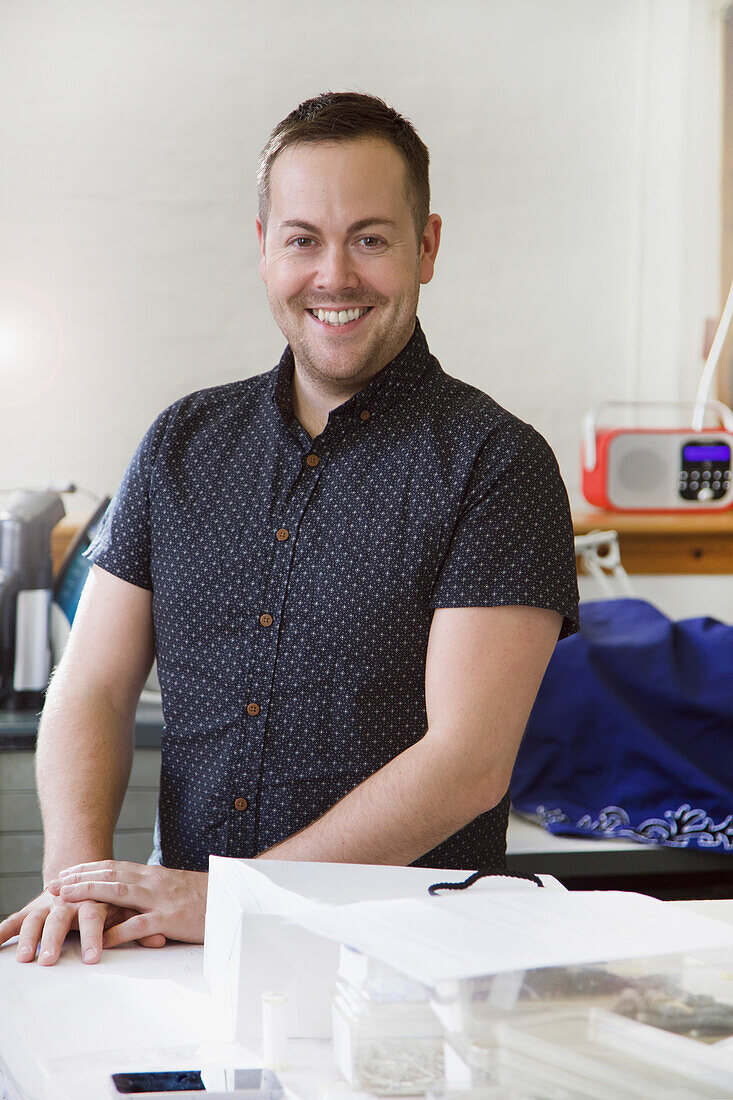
[712, 362]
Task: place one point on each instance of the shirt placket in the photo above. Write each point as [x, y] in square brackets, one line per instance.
[246, 776]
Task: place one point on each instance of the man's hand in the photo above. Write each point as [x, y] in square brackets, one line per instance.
[48, 919]
[165, 902]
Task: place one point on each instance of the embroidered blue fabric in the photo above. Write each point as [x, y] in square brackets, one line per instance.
[631, 733]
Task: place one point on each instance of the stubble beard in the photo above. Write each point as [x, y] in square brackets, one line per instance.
[371, 359]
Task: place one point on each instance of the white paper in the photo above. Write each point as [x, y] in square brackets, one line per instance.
[490, 932]
[257, 935]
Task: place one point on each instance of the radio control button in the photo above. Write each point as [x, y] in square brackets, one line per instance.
[716, 485]
[705, 494]
[683, 475]
[693, 486]
[716, 473]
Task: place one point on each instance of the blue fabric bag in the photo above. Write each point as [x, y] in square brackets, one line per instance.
[631, 735]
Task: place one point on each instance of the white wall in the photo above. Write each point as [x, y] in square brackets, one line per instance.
[575, 163]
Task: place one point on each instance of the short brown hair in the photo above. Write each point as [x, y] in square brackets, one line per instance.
[346, 116]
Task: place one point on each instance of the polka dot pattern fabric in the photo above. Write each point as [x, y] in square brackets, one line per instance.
[292, 598]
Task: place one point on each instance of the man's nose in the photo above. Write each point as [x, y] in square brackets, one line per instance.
[336, 269]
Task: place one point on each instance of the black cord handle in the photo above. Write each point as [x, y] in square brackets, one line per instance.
[483, 872]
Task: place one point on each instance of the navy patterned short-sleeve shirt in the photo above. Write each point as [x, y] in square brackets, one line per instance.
[294, 581]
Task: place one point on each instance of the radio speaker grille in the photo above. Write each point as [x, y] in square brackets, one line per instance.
[643, 470]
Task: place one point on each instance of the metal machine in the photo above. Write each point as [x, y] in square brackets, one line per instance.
[26, 584]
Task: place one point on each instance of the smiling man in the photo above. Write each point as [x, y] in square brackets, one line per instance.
[344, 293]
[352, 569]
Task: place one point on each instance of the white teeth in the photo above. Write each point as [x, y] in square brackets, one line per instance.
[338, 317]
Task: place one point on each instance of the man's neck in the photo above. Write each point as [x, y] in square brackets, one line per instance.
[312, 402]
[312, 406]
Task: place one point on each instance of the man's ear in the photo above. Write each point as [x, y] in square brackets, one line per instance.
[261, 239]
[429, 247]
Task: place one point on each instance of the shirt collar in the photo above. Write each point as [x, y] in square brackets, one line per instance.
[387, 389]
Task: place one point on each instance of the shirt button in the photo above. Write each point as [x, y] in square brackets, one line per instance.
[282, 535]
[266, 620]
[313, 460]
[253, 709]
[365, 414]
[240, 803]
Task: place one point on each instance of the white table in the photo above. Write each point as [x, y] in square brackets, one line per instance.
[64, 1029]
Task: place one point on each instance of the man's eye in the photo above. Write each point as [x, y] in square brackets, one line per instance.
[302, 242]
[370, 242]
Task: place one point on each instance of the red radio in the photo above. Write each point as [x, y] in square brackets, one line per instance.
[657, 469]
[663, 469]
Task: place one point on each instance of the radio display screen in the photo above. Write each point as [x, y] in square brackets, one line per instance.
[702, 452]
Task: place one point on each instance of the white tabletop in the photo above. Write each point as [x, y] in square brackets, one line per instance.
[64, 1029]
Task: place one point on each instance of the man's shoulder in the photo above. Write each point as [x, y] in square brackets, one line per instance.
[474, 415]
[224, 397]
[206, 407]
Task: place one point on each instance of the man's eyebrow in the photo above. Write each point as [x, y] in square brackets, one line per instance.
[365, 223]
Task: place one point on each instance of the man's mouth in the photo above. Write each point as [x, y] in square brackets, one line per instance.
[339, 316]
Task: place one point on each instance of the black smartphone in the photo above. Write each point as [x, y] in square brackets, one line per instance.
[254, 1084]
[172, 1080]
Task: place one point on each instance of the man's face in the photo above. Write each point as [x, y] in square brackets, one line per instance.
[341, 237]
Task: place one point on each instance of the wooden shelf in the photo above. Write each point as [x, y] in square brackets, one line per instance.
[61, 536]
[659, 543]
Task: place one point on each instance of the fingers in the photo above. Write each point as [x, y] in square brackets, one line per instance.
[29, 934]
[157, 940]
[91, 918]
[48, 923]
[42, 921]
[105, 870]
[114, 893]
[55, 930]
[10, 927]
[67, 879]
[138, 927]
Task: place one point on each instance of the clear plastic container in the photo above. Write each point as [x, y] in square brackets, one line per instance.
[377, 980]
[386, 1038]
[471, 1008]
[570, 1054]
[637, 1028]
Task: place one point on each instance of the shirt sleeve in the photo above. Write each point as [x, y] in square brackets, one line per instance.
[121, 544]
[513, 541]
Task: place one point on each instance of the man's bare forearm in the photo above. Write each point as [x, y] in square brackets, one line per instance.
[83, 761]
[404, 810]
